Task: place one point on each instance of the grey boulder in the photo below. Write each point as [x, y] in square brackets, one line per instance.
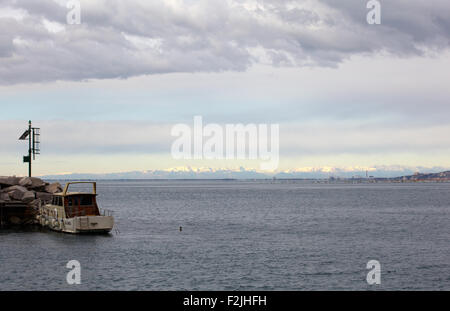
[15, 192]
[4, 197]
[9, 180]
[13, 188]
[54, 188]
[28, 197]
[44, 196]
[32, 182]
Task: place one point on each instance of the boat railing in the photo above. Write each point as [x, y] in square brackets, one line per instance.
[105, 212]
[102, 212]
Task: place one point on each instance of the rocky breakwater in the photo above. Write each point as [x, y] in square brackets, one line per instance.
[20, 198]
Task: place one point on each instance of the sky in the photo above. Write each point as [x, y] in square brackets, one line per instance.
[347, 95]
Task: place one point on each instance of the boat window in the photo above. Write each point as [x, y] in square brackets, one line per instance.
[86, 200]
[69, 202]
[57, 201]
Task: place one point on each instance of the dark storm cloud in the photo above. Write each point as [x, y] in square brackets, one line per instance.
[121, 39]
[406, 26]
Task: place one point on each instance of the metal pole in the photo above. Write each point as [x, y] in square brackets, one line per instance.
[30, 134]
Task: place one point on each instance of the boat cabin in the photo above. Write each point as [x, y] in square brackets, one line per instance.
[73, 204]
[77, 204]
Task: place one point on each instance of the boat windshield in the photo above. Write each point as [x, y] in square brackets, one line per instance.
[81, 205]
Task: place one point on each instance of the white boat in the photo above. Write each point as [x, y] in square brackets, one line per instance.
[76, 212]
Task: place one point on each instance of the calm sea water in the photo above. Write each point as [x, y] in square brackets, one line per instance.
[245, 235]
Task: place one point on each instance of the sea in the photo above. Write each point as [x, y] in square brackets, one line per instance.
[245, 235]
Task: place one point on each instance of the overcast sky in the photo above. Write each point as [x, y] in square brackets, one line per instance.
[107, 92]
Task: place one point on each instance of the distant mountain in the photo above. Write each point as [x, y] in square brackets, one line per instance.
[168, 174]
[392, 172]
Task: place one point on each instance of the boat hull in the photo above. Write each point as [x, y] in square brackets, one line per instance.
[79, 225]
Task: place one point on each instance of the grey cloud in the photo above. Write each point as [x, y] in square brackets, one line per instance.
[139, 137]
[89, 137]
[121, 39]
[6, 46]
[406, 26]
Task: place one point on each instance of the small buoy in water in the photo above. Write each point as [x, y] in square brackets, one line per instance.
[181, 228]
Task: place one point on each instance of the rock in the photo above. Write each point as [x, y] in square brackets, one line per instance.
[26, 182]
[35, 204]
[28, 197]
[4, 197]
[15, 192]
[32, 182]
[44, 196]
[9, 180]
[36, 183]
[16, 195]
[54, 188]
[31, 191]
[12, 188]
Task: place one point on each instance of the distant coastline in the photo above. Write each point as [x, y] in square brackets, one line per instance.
[416, 177]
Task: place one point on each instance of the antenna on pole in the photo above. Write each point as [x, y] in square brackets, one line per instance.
[33, 134]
